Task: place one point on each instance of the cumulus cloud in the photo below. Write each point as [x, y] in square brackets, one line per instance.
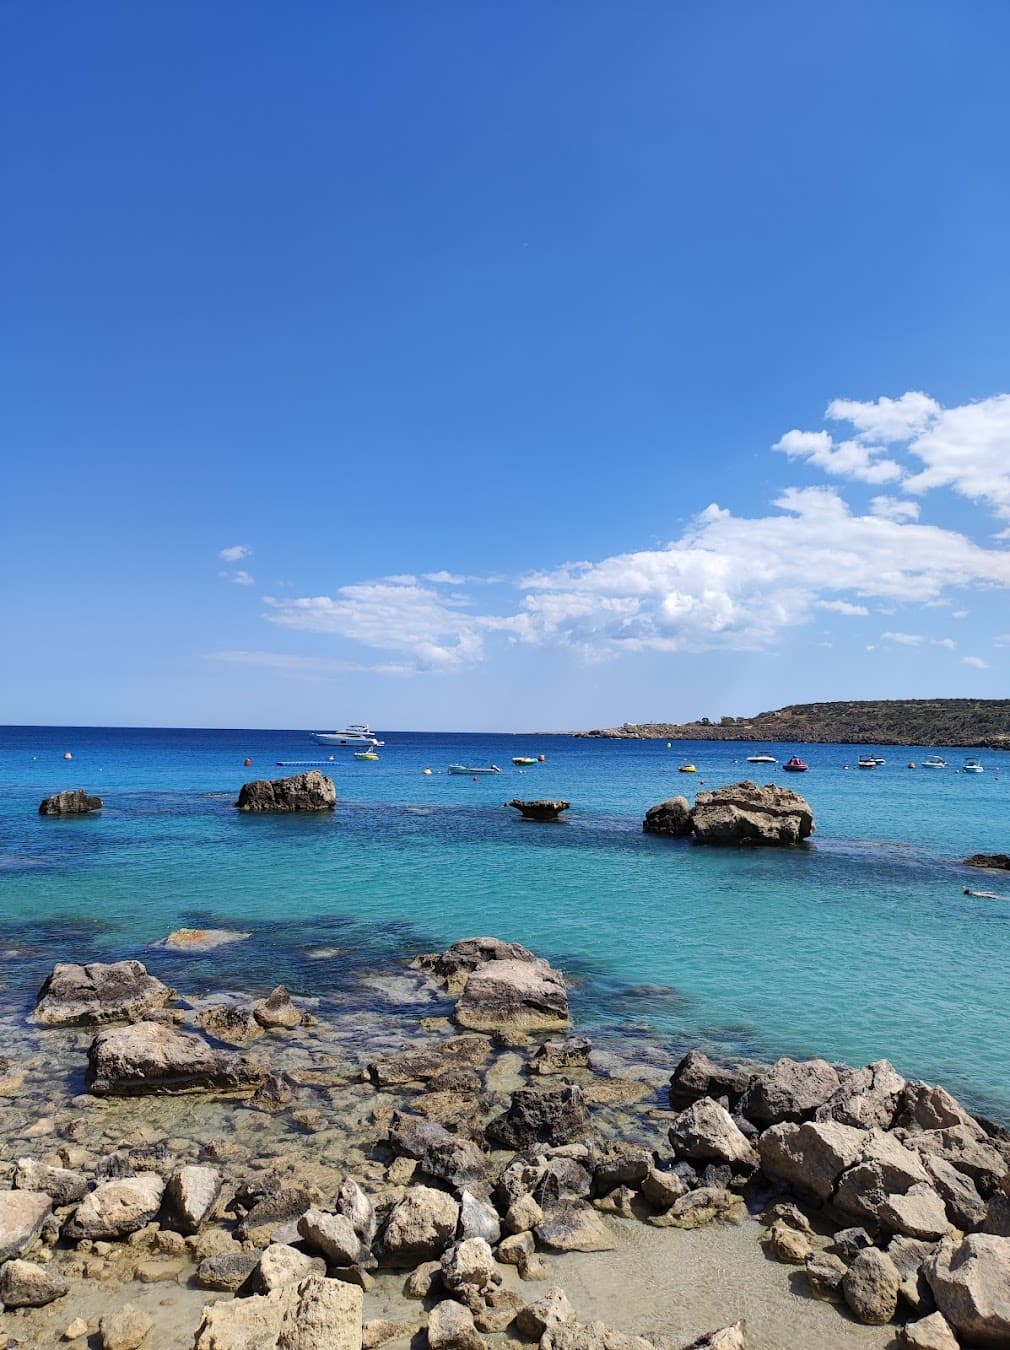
[894, 508]
[235, 553]
[975, 661]
[846, 459]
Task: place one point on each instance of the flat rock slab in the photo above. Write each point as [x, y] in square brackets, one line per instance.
[574, 1227]
[199, 940]
[150, 1058]
[520, 995]
[90, 995]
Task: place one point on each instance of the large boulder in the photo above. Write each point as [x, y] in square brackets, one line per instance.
[997, 862]
[190, 1197]
[790, 1090]
[22, 1214]
[26, 1285]
[541, 1113]
[810, 1157]
[744, 813]
[867, 1098]
[698, 1076]
[90, 995]
[442, 1155]
[672, 818]
[117, 1208]
[75, 802]
[315, 1314]
[971, 1284]
[515, 994]
[708, 1133]
[871, 1285]
[455, 964]
[574, 1226]
[150, 1058]
[419, 1227]
[311, 791]
[63, 1186]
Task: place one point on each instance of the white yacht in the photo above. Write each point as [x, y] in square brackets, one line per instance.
[762, 759]
[358, 735]
[934, 762]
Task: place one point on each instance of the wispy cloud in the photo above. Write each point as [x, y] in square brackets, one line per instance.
[949, 643]
[903, 639]
[242, 578]
[975, 661]
[842, 607]
[235, 553]
[294, 664]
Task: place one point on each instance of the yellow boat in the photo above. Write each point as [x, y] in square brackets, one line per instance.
[365, 754]
[687, 768]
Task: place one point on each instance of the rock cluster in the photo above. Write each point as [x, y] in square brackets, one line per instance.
[310, 791]
[995, 861]
[500, 985]
[740, 814]
[75, 802]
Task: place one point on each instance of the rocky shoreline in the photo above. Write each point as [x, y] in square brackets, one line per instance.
[449, 1179]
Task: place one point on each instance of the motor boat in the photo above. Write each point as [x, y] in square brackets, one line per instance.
[972, 766]
[761, 759]
[934, 762]
[474, 772]
[523, 759]
[358, 734]
[365, 754]
[866, 762]
[688, 768]
[795, 765]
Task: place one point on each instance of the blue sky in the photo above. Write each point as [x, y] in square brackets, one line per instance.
[467, 365]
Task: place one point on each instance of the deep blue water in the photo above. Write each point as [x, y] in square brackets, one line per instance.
[859, 946]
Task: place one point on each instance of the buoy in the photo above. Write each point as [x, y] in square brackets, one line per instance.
[68, 755]
[475, 778]
[427, 772]
[330, 756]
[541, 758]
[247, 762]
[669, 745]
[911, 765]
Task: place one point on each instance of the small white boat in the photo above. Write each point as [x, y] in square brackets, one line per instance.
[761, 759]
[357, 734]
[934, 762]
[866, 762]
[475, 772]
[972, 766]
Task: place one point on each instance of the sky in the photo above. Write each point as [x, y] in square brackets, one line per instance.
[469, 366]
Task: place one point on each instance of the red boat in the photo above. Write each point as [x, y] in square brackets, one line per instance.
[795, 765]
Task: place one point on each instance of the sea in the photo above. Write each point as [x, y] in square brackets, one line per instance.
[858, 946]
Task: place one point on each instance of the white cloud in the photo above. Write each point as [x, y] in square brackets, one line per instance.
[976, 661]
[894, 508]
[293, 664]
[235, 553]
[904, 639]
[959, 614]
[842, 607]
[1001, 640]
[242, 578]
[847, 459]
[949, 643]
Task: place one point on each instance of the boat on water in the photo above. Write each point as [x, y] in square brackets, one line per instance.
[795, 765]
[474, 771]
[357, 734]
[523, 759]
[761, 759]
[972, 766]
[934, 762]
[688, 768]
[365, 754]
[867, 762]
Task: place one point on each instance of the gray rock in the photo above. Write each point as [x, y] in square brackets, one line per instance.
[870, 1286]
[272, 1214]
[469, 1265]
[698, 1076]
[74, 802]
[410, 1066]
[662, 1189]
[964, 1147]
[548, 1113]
[419, 1227]
[671, 818]
[61, 1185]
[559, 1056]
[791, 1090]
[706, 1131]
[867, 1098]
[150, 1058]
[919, 1213]
[89, 995]
[810, 1157]
[354, 1204]
[277, 1010]
[997, 1215]
[848, 1241]
[825, 1273]
[743, 813]
[571, 1226]
[229, 1022]
[226, 1271]
[190, 1197]
[450, 1327]
[124, 1329]
[442, 1155]
[116, 1208]
[332, 1235]
[971, 1284]
[965, 1206]
[22, 1215]
[520, 995]
[924, 1107]
[26, 1285]
[310, 791]
[456, 964]
[619, 1164]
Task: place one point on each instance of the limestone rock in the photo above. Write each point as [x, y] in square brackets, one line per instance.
[380, 1330]
[706, 1131]
[228, 1270]
[117, 1208]
[332, 1235]
[919, 1213]
[561, 1056]
[929, 1333]
[229, 1022]
[197, 940]
[190, 1197]
[354, 1204]
[76, 1329]
[698, 1076]
[965, 1206]
[277, 1010]
[867, 1098]
[925, 1107]
[310, 791]
[744, 813]
[450, 1327]
[671, 818]
[791, 1090]
[871, 1286]
[88, 995]
[445, 1156]
[456, 964]
[523, 1215]
[73, 802]
[22, 1214]
[512, 1249]
[541, 1113]
[812, 1156]
[971, 1284]
[546, 1314]
[428, 1062]
[315, 1314]
[619, 1164]
[788, 1243]
[63, 1186]
[124, 1329]
[662, 1189]
[520, 995]
[23, 1284]
[273, 1213]
[702, 1206]
[478, 1219]
[469, 1265]
[148, 1058]
[726, 1338]
[825, 1273]
[571, 1226]
[419, 1227]
[281, 1264]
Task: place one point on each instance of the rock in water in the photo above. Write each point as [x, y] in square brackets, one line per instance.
[277, 1010]
[73, 803]
[744, 813]
[26, 1285]
[539, 810]
[310, 791]
[190, 1197]
[125, 1329]
[115, 1209]
[420, 1227]
[89, 995]
[871, 1286]
[994, 861]
[315, 1314]
[542, 1113]
[706, 1132]
[516, 994]
[200, 939]
[149, 1058]
[672, 818]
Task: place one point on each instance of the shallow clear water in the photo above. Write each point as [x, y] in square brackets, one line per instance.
[859, 946]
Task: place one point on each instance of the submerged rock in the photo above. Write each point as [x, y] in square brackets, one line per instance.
[995, 861]
[310, 791]
[98, 992]
[744, 813]
[148, 1058]
[75, 802]
[559, 1056]
[442, 1155]
[200, 939]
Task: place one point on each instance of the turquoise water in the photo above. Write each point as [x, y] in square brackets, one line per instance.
[860, 946]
